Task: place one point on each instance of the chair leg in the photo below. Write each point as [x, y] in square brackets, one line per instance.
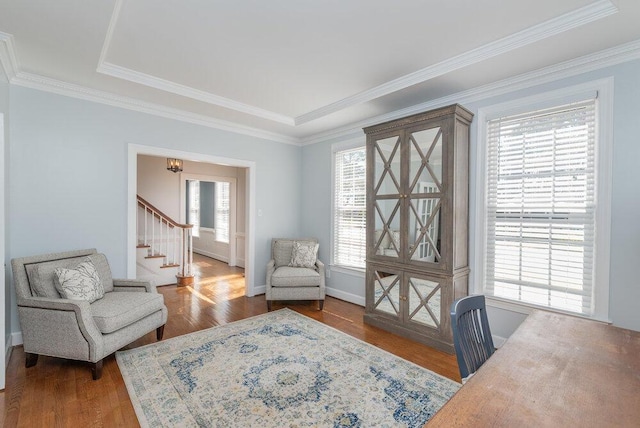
[31, 359]
[321, 304]
[160, 332]
[96, 370]
[269, 305]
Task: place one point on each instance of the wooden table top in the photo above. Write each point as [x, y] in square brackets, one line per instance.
[555, 370]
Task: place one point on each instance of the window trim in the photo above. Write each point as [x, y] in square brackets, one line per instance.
[604, 88]
[217, 210]
[353, 143]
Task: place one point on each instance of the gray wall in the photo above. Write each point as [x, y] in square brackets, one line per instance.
[5, 298]
[625, 231]
[316, 218]
[68, 185]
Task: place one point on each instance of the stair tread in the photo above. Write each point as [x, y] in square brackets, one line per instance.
[155, 256]
[169, 265]
[143, 246]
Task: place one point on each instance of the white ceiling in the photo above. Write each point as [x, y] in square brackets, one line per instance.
[292, 69]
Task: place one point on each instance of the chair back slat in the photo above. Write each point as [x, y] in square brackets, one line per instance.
[471, 334]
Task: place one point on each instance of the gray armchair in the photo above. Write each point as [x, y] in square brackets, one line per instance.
[286, 282]
[76, 329]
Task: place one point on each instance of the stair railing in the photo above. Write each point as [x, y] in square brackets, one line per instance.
[166, 237]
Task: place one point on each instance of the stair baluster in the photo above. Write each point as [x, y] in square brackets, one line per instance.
[173, 241]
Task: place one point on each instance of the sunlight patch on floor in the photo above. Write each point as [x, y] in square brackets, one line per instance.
[199, 295]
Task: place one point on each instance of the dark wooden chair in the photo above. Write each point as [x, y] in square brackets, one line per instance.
[471, 334]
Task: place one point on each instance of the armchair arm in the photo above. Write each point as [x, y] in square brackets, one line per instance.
[52, 324]
[271, 267]
[134, 285]
[321, 269]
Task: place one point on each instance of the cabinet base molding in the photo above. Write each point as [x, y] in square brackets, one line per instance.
[412, 333]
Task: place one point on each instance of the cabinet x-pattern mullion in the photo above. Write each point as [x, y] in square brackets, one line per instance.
[387, 166]
[387, 225]
[385, 291]
[424, 303]
[424, 228]
[425, 161]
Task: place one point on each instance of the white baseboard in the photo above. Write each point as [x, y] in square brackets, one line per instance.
[7, 352]
[259, 289]
[347, 297]
[222, 258]
[16, 339]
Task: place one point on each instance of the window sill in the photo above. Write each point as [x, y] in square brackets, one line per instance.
[527, 308]
[360, 273]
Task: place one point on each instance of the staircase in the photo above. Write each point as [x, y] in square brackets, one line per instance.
[164, 253]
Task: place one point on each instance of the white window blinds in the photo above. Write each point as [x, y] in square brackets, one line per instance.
[349, 246]
[222, 212]
[541, 207]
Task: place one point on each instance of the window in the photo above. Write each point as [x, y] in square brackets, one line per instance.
[349, 226]
[208, 208]
[222, 212]
[546, 178]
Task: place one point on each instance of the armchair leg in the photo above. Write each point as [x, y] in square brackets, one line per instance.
[96, 370]
[269, 305]
[160, 332]
[31, 359]
[321, 304]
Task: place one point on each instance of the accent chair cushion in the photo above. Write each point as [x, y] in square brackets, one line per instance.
[304, 254]
[287, 276]
[80, 283]
[41, 277]
[119, 309]
[282, 250]
[42, 281]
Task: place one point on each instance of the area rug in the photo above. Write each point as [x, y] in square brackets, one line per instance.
[280, 369]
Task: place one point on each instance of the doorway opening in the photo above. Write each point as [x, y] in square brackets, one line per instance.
[196, 166]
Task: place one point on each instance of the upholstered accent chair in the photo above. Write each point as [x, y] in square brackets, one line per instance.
[294, 271]
[80, 329]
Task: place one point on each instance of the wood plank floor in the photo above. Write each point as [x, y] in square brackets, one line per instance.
[61, 393]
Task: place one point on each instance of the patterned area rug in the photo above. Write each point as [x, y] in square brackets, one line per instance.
[277, 370]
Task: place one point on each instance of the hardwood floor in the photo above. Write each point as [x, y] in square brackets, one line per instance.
[61, 393]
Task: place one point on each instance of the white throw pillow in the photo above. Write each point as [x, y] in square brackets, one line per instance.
[81, 283]
[304, 254]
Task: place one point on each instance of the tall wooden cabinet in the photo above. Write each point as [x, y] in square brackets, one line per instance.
[417, 223]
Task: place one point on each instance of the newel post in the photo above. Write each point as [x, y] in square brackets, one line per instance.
[185, 277]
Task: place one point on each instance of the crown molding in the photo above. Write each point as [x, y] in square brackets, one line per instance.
[605, 58]
[568, 21]
[551, 27]
[8, 58]
[616, 55]
[186, 91]
[34, 81]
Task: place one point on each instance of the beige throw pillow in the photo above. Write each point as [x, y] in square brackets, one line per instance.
[304, 254]
[81, 283]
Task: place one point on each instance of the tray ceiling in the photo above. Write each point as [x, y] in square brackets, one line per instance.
[294, 69]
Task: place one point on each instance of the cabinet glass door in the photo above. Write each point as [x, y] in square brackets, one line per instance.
[424, 301]
[425, 191]
[386, 297]
[386, 191]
